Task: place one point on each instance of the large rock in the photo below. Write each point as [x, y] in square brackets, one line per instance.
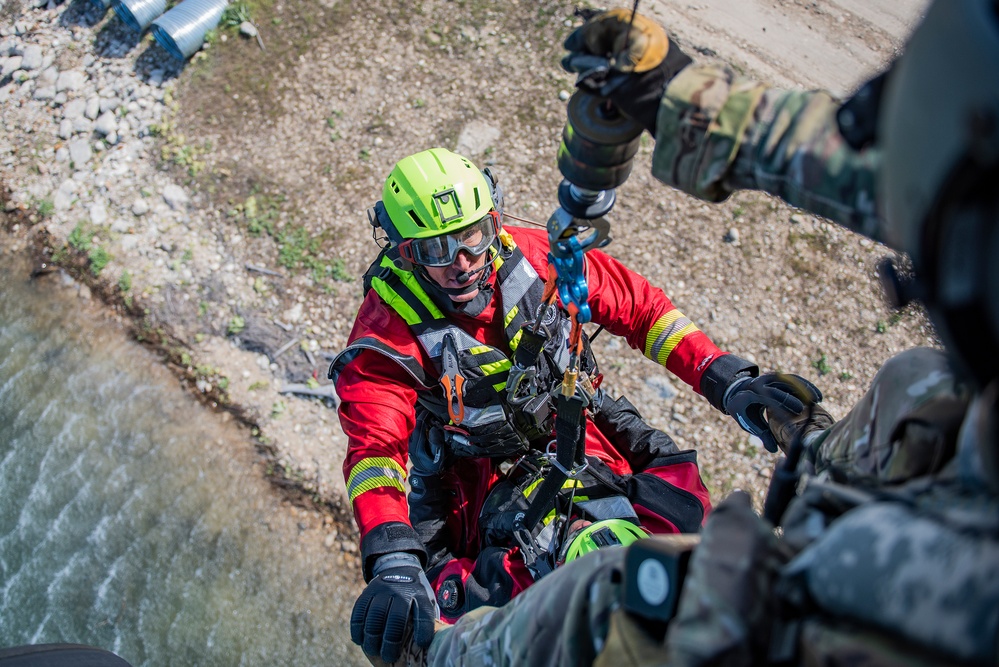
[79, 152]
[106, 124]
[74, 109]
[476, 137]
[175, 197]
[70, 80]
[93, 107]
[9, 65]
[32, 58]
[65, 195]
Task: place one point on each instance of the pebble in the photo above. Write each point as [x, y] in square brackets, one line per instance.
[32, 58]
[74, 109]
[106, 124]
[140, 207]
[71, 80]
[79, 152]
[175, 197]
[9, 66]
[98, 213]
[92, 107]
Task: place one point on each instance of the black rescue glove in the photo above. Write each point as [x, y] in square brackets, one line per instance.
[397, 599]
[628, 62]
[777, 408]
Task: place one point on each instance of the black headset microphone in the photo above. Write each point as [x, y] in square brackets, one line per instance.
[465, 275]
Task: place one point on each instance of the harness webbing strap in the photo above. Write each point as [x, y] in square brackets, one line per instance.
[570, 451]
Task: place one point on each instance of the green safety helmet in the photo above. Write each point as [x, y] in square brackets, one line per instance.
[606, 533]
[434, 192]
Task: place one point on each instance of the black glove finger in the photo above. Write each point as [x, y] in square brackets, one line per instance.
[769, 441]
[394, 633]
[357, 616]
[799, 386]
[374, 624]
[576, 41]
[423, 625]
[584, 63]
[774, 398]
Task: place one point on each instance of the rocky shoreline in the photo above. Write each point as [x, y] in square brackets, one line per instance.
[236, 250]
[85, 193]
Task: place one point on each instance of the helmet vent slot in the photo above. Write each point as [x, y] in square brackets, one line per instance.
[478, 201]
[416, 218]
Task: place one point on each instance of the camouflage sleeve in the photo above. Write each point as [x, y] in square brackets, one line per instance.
[719, 132]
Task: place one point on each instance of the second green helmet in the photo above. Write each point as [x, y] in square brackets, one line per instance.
[435, 192]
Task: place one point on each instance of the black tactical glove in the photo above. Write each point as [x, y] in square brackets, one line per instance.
[777, 408]
[398, 598]
[628, 62]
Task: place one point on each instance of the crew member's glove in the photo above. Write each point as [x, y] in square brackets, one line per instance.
[777, 408]
[398, 598]
[630, 68]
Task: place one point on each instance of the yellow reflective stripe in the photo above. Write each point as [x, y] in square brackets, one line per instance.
[661, 324]
[500, 386]
[673, 341]
[551, 515]
[479, 349]
[567, 484]
[392, 297]
[496, 367]
[374, 473]
[408, 279]
[515, 341]
[509, 316]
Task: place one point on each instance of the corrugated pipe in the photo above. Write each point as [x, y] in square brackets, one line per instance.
[181, 31]
[138, 14]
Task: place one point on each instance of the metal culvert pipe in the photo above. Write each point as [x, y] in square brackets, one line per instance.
[138, 14]
[181, 31]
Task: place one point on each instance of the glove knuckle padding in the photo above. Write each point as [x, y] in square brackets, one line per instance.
[636, 44]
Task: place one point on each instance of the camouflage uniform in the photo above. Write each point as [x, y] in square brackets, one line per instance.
[888, 550]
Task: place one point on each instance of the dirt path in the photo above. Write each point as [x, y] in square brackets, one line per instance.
[829, 45]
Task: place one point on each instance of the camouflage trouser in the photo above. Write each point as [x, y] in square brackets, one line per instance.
[573, 617]
[894, 433]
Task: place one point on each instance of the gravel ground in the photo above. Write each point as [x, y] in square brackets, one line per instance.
[219, 207]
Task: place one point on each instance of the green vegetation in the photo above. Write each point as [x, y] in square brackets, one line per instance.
[235, 13]
[99, 258]
[125, 281]
[236, 325]
[258, 385]
[45, 207]
[79, 238]
[822, 364]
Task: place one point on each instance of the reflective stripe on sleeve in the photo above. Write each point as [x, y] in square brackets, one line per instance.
[374, 473]
[666, 334]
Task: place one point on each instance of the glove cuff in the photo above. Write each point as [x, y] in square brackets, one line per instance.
[390, 538]
[395, 559]
[721, 375]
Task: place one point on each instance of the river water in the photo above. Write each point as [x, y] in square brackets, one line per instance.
[133, 519]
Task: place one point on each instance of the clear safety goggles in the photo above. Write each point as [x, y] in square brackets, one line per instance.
[442, 250]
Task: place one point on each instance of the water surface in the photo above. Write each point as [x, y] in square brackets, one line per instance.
[133, 519]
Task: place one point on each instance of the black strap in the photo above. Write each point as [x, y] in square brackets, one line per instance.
[570, 451]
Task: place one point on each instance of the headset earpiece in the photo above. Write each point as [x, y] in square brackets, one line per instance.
[495, 191]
